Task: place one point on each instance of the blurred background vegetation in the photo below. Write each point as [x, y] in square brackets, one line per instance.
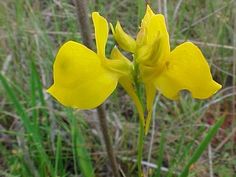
[39, 137]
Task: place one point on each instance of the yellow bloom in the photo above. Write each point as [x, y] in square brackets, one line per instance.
[84, 79]
[125, 41]
[184, 68]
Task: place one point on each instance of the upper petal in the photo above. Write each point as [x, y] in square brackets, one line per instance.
[148, 14]
[79, 78]
[101, 32]
[186, 69]
[150, 96]
[119, 63]
[124, 40]
[152, 41]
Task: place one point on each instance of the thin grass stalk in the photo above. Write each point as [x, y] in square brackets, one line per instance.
[159, 5]
[234, 77]
[153, 129]
[82, 16]
[141, 9]
[166, 13]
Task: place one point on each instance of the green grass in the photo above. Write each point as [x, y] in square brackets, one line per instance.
[39, 137]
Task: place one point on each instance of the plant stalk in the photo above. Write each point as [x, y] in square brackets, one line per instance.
[83, 19]
[141, 124]
[141, 11]
[109, 148]
[82, 15]
[140, 149]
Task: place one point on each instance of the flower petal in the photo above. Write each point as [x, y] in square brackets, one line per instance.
[148, 14]
[79, 78]
[125, 41]
[126, 79]
[150, 95]
[127, 85]
[186, 69]
[119, 63]
[101, 32]
[153, 41]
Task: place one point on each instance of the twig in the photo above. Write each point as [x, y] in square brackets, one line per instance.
[222, 70]
[207, 44]
[231, 135]
[159, 6]
[153, 127]
[149, 164]
[206, 17]
[82, 15]
[175, 17]
[6, 64]
[210, 161]
[234, 77]
[109, 148]
[166, 13]
[52, 32]
[87, 39]
[177, 9]
[214, 101]
[218, 100]
[122, 172]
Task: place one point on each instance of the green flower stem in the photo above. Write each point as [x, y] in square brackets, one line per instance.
[141, 136]
[87, 40]
[140, 149]
[141, 123]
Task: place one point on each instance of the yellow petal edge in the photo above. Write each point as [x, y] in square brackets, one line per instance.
[80, 81]
[186, 69]
[101, 32]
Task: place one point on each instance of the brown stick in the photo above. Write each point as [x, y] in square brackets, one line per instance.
[82, 16]
[109, 148]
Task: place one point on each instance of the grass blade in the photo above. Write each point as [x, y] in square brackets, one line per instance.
[33, 100]
[160, 155]
[37, 83]
[141, 10]
[81, 155]
[58, 160]
[30, 128]
[202, 146]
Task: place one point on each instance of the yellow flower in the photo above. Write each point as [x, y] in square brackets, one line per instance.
[84, 79]
[125, 41]
[184, 68]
